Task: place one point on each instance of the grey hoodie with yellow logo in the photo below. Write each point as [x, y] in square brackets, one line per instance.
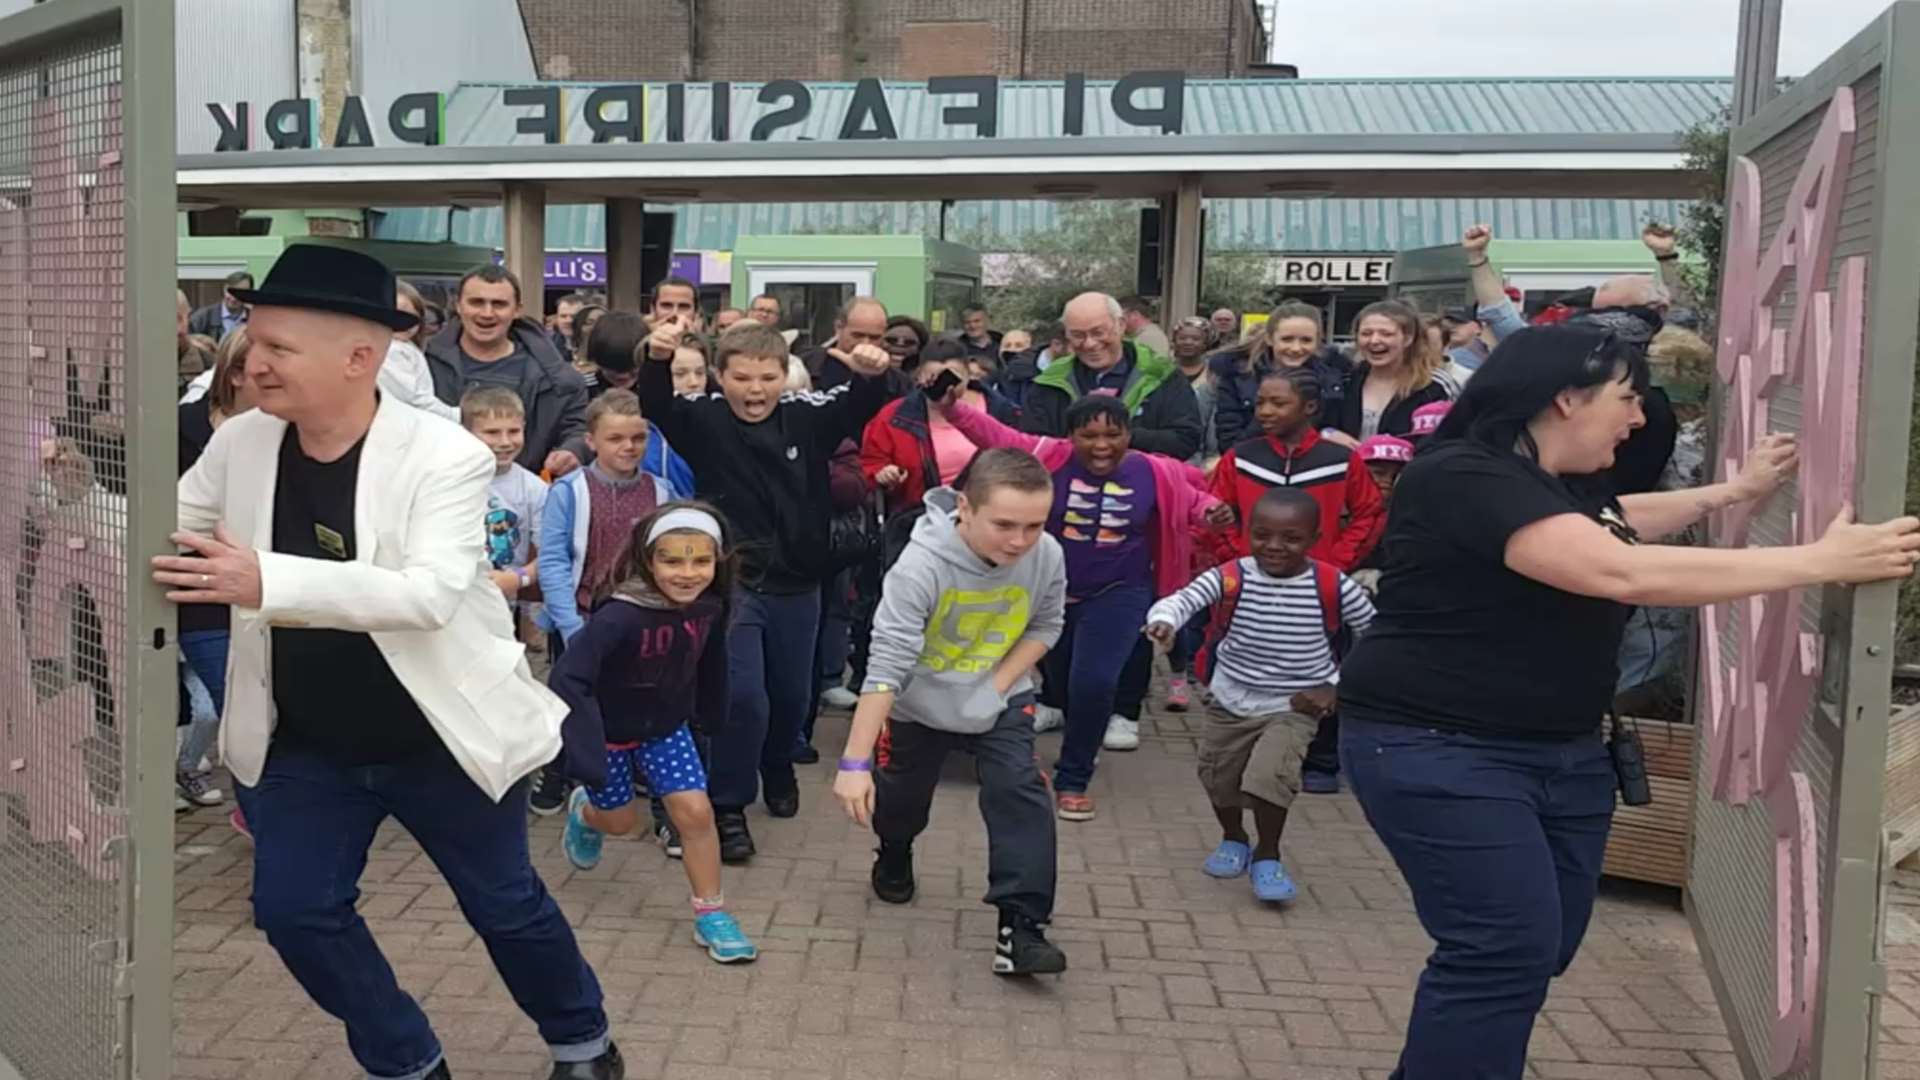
[948, 616]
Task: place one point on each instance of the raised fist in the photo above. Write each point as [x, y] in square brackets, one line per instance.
[1476, 239]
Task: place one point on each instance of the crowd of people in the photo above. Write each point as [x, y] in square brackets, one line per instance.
[713, 530]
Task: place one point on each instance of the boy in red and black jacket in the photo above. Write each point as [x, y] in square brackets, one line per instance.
[1289, 452]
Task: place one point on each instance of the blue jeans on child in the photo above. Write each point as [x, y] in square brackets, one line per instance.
[1501, 841]
[203, 653]
[1093, 650]
[312, 822]
[770, 663]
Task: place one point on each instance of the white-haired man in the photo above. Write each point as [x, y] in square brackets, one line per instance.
[373, 670]
[1166, 416]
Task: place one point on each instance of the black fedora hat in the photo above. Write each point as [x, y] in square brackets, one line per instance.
[321, 277]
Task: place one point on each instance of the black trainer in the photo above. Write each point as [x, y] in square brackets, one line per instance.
[440, 1072]
[736, 843]
[550, 791]
[607, 1066]
[1023, 949]
[669, 838]
[784, 804]
[805, 754]
[893, 873]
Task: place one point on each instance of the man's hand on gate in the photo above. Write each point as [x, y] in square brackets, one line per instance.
[222, 571]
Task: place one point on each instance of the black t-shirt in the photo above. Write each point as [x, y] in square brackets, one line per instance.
[1461, 642]
[509, 371]
[335, 694]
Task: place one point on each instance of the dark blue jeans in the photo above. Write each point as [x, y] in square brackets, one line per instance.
[770, 664]
[1093, 650]
[1501, 841]
[312, 822]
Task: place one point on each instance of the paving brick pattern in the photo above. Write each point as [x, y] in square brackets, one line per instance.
[1172, 974]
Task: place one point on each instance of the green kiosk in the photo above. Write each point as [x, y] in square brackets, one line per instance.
[929, 279]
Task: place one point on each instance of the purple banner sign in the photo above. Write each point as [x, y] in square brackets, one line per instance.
[576, 270]
[588, 270]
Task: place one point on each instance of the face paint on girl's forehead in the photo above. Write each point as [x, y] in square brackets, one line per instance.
[683, 546]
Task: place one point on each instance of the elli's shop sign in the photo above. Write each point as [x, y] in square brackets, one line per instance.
[620, 112]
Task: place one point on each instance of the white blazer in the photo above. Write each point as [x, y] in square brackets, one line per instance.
[417, 585]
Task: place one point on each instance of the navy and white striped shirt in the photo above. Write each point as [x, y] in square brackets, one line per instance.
[1277, 644]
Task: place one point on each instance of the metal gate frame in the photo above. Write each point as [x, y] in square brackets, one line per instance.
[1853, 698]
[142, 955]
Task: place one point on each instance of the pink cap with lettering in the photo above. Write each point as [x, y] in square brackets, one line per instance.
[1386, 448]
[1426, 418]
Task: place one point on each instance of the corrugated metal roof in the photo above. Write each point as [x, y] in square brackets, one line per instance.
[1033, 110]
[475, 116]
[1274, 225]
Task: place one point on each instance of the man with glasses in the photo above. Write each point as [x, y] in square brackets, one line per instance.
[765, 310]
[1166, 416]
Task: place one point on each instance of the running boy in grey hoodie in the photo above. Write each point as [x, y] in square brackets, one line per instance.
[974, 602]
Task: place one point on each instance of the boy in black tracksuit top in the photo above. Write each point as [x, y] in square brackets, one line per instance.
[761, 457]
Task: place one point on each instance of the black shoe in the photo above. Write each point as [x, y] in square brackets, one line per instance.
[893, 873]
[806, 755]
[607, 1066]
[669, 838]
[440, 1072]
[784, 804]
[550, 790]
[736, 843]
[1024, 950]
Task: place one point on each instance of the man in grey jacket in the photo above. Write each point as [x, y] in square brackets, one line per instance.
[488, 343]
[974, 602]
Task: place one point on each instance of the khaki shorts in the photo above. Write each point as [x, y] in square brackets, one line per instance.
[1253, 755]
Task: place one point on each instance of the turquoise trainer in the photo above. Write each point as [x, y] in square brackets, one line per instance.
[717, 933]
[581, 841]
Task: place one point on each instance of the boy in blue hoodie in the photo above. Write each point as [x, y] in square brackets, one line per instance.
[972, 604]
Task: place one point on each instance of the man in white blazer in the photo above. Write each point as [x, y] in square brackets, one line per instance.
[373, 670]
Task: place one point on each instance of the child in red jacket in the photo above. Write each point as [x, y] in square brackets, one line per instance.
[1289, 452]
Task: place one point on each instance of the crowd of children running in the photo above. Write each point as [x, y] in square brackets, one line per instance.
[1002, 530]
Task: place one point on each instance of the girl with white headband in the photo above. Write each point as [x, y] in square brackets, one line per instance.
[645, 678]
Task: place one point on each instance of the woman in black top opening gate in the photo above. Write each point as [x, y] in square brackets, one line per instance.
[1472, 709]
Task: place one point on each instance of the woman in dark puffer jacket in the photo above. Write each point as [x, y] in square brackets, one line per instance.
[1291, 339]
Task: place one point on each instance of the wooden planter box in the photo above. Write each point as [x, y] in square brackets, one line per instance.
[1649, 843]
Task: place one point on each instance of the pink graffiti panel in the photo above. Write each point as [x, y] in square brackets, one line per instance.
[62, 296]
[1760, 694]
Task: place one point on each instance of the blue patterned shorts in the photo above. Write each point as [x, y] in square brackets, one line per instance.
[669, 765]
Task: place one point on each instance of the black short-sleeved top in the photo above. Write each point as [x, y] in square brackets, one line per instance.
[333, 690]
[1461, 642]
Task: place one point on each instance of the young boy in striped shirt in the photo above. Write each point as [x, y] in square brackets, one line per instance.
[1271, 660]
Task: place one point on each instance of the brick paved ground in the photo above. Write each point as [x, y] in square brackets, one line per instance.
[1172, 974]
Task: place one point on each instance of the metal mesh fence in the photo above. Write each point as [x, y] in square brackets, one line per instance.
[63, 522]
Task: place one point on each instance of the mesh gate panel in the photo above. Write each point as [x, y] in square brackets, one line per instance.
[62, 526]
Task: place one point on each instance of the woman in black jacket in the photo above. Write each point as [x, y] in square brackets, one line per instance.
[1292, 339]
[1489, 782]
[1395, 372]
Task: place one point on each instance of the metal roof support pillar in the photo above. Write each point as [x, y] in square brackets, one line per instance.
[1182, 290]
[626, 232]
[524, 211]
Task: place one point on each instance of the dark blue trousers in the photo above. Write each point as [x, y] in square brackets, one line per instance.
[312, 823]
[1093, 651]
[770, 664]
[1501, 841]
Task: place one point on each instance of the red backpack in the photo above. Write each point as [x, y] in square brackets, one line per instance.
[1326, 582]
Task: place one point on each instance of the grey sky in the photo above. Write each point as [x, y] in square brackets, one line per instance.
[1548, 37]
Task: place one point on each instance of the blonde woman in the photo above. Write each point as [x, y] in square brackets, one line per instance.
[1395, 372]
